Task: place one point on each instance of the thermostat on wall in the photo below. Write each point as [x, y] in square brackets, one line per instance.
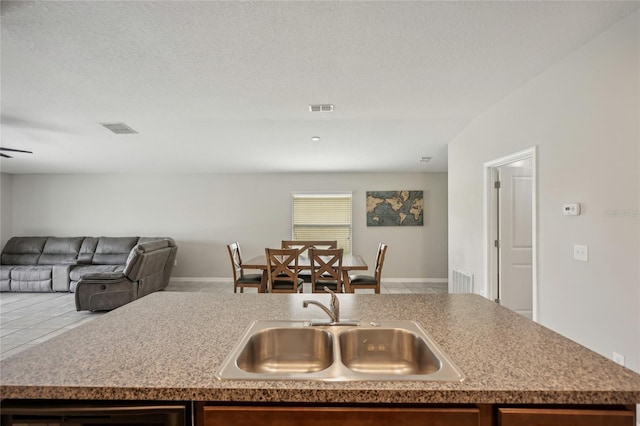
[572, 209]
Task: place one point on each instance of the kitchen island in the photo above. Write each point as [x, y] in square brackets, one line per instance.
[168, 346]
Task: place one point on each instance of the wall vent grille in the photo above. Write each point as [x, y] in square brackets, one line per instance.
[461, 282]
[321, 108]
[119, 128]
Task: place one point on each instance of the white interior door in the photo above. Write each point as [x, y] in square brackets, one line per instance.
[515, 235]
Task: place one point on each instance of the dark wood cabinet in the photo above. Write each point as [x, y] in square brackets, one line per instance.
[352, 416]
[210, 414]
[564, 417]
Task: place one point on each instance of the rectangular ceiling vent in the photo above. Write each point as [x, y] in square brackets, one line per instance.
[119, 128]
[321, 108]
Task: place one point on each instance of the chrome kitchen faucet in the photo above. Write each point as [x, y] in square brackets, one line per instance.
[334, 312]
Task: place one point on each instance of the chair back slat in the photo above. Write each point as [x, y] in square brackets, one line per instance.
[304, 245]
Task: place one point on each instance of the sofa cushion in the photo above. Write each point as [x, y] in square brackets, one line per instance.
[20, 259]
[153, 261]
[23, 250]
[31, 273]
[87, 249]
[113, 251]
[56, 245]
[156, 244]
[36, 278]
[25, 245]
[56, 250]
[31, 286]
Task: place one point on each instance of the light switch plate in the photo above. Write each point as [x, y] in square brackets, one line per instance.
[581, 252]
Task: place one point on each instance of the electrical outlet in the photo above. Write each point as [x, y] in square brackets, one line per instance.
[581, 252]
[618, 358]
[175, 262]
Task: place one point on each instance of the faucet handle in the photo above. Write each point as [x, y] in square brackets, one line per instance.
[334, 298]
[335, 304]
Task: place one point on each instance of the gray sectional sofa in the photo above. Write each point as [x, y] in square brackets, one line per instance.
[144, 273]
[50, 264]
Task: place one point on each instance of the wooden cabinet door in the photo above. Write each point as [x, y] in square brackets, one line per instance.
[331, 416]
[564, 417]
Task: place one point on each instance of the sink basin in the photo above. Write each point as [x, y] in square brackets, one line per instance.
[287, 350]
[387, 351]
[298, 350]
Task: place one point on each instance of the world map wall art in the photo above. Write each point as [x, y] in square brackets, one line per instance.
[395, 208]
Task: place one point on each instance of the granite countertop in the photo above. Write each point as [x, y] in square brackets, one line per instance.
[168, 346]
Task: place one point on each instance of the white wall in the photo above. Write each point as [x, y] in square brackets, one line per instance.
[204, 212]
[6, 206]
[583, 114]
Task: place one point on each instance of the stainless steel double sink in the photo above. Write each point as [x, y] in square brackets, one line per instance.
[370, 350]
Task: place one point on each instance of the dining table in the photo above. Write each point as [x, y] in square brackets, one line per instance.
[350, 262]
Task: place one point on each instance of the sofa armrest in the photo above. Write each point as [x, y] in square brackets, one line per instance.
[103, 276]
[104, 291]
[60, 276]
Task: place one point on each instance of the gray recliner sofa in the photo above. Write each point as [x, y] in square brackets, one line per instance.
[50, 264]
[143, 273]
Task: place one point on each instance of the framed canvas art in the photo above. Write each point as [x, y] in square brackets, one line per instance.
[395, 208]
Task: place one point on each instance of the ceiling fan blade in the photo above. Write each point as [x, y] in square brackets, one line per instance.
[15, 150]
[5, 155]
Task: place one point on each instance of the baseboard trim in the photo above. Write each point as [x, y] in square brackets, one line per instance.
[201, 279]
[415, 280]
[384, 280]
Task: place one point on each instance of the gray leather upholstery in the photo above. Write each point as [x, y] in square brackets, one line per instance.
[82, 270]
[34, 278]
[5, 274]
[142, 274]
[46, 264]
[113, 251]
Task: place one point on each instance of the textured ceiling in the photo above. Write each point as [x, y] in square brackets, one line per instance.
[225, 86]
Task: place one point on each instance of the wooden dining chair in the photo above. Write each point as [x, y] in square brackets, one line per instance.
[326, 269]
[367, 281]
[282, 271]
[303, 247]
[240, 279]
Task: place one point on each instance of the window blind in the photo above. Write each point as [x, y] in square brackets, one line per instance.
[323, 217]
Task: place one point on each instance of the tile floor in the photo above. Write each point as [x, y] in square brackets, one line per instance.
[27, 319]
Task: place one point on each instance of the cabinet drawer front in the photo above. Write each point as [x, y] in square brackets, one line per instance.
[564, 417]
[326, 416]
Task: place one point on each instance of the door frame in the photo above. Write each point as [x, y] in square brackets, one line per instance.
[490, 224]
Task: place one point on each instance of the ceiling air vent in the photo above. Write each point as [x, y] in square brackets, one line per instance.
[119, 128]
[321, 108]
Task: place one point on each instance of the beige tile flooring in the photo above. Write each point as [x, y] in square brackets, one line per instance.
[27, 319]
